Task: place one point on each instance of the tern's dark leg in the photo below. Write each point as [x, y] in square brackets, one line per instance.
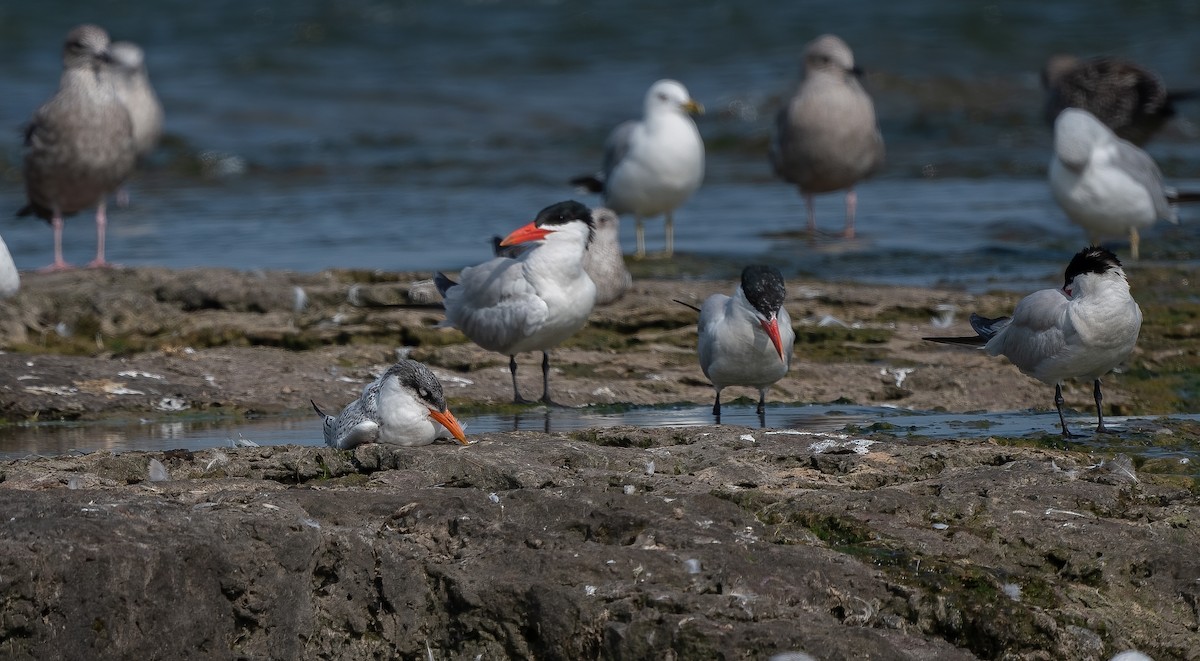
[1058, 402]
[717, 405]
[1100, 428]
[546, 382]
[512, 367]
[762, 402]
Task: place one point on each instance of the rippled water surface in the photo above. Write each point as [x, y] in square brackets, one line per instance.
[842, 424]
[401, 135]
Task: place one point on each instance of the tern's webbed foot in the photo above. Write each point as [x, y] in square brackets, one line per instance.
[1101, 429]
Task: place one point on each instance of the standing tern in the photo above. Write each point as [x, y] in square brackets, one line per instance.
[826, 137]
[746, 339]
[602, 260]
[1081, 331]
[404, 406]
[652, 165]
[1106, 185]
[79, 146]
[531, 302]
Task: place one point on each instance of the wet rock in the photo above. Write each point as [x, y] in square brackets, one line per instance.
[528, 545]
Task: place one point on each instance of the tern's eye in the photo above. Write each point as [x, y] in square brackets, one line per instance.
[662, 96]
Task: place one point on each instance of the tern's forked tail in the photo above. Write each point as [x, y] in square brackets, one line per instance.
[590, 182]
[443, 283]
[986, 329]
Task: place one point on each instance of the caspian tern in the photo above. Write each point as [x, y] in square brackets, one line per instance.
[602, 260]
[532, 302]
[1081, 331]
[746, 339]
[79, 146]
[404, 406]
[826, 137]
[1127, 97]
[1106, 185]
[652, 165]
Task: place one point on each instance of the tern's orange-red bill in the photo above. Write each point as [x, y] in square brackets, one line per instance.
[530, 232]
[447, 420]
[772, 329]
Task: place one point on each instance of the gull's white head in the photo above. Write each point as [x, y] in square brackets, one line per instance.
[1076, 133]
[671, 96]
[828, 53]
[127, 56]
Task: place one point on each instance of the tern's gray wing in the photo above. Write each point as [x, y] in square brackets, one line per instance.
[1135, 161]
[1039, 331]
[617, 145]
[358, 423]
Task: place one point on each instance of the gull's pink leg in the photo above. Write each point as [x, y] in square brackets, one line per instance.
[59, 263]
[810, 205]
[101, 224]
[851, 205]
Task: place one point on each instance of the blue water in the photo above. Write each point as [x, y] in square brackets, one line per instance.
[401, 135]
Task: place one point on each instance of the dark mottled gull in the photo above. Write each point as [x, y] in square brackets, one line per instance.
[1130, 99]
[826, 137]
[79, 146]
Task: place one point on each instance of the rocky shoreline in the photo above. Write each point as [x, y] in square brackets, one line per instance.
[707, 542]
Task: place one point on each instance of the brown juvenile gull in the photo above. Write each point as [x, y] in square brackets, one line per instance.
[134, 89]
[826, 137]
[652, 165]
[1130, 99]
[79, 146]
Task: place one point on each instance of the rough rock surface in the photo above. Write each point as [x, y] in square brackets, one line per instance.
[626, 543]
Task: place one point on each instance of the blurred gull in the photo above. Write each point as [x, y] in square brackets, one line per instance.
[79, 146]
[10, 280]
[826, 137]
[132, 83]
[1106, 185]
[1127, 97]
[602, 260]
[652, 165]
